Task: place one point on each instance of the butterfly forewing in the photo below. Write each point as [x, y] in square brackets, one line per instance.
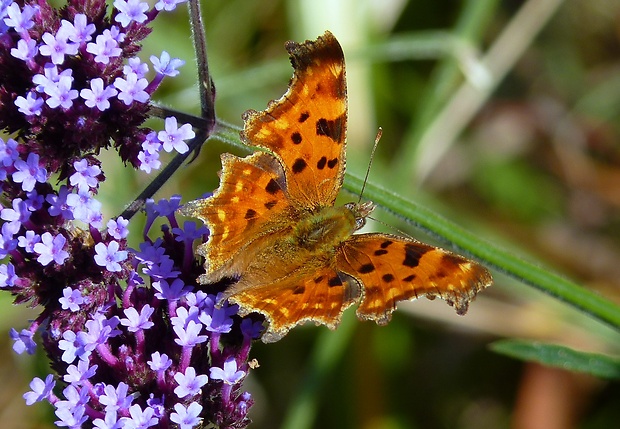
[306, 128]
[393, 269]
[234, 220]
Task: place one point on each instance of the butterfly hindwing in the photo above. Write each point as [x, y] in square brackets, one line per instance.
[297, 298]
[306, 128]
[392, 269]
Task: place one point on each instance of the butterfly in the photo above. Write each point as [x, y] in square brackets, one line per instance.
[274, 227]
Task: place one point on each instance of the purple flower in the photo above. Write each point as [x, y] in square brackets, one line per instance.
[40, 389]
[167, 208]
[72, 299]
[188, 336]
[29, 106]
[229, 374]
[165, 65]
[58, 204]
[168, 4]
[80, 373]
[83, 206]
[189, 384]
[23, 341]
[117, 228]
[56, 47]
[116, 399]
[187, 418]
[8, 152]
[109, 256]
[130, 10]
[51, 249]
[251, 329]
[19, 213]
[136, 66]
[111, 421]
[29, 172]
[174, 137]
[159, 362]
[7, 275]
[7, 242]
[80, 31]
[149, 161]
[34, 201]
[20, 20]
[140, 419]
[104, 48]
[132, 89]
[85, 176]
[136, 322]
[164, 269]
[26, 49]
[171, 292]
[50, 77]
[72, 417]
[73, 346]
[190, 231]
[60, 93]
[97, 95]
[100, 330]
[218, 319]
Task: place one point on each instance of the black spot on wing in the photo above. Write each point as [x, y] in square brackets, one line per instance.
[303, 117]
[272, 187]
[296, 138]
[299, 165]
[367, 268]
[332, 163]
[413, 253]
[387, 277]
[334, 281]
[322, 162]
[250, 214]
[386, 244]
[332, 129]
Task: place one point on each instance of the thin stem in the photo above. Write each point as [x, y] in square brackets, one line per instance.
[204, 125]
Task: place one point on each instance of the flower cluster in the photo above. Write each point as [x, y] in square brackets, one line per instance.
[134, 340]
[140, 345]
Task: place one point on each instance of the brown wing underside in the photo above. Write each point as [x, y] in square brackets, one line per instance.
[249, 203]
[306, 128]
[393, 269]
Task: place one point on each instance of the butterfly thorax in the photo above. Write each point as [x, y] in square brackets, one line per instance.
[325, 229]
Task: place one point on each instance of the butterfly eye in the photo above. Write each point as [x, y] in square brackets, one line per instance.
[360, 222]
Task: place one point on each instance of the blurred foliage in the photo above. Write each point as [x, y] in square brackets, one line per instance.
[535, 168]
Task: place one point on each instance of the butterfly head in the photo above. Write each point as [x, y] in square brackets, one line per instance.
[361, 212]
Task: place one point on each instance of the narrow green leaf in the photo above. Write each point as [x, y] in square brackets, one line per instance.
[560, 357]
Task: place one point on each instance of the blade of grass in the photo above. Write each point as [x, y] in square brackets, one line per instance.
[560, 357]
[492, 256]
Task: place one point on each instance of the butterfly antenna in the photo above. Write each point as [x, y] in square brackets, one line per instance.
[372, 156]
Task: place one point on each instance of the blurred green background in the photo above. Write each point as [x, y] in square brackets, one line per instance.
[502, 116]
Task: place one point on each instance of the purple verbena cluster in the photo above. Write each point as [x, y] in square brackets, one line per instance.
[134, 341]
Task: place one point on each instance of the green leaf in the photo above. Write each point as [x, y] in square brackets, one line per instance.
[560, 357]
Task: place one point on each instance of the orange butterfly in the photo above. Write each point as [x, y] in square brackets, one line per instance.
[274, 225]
